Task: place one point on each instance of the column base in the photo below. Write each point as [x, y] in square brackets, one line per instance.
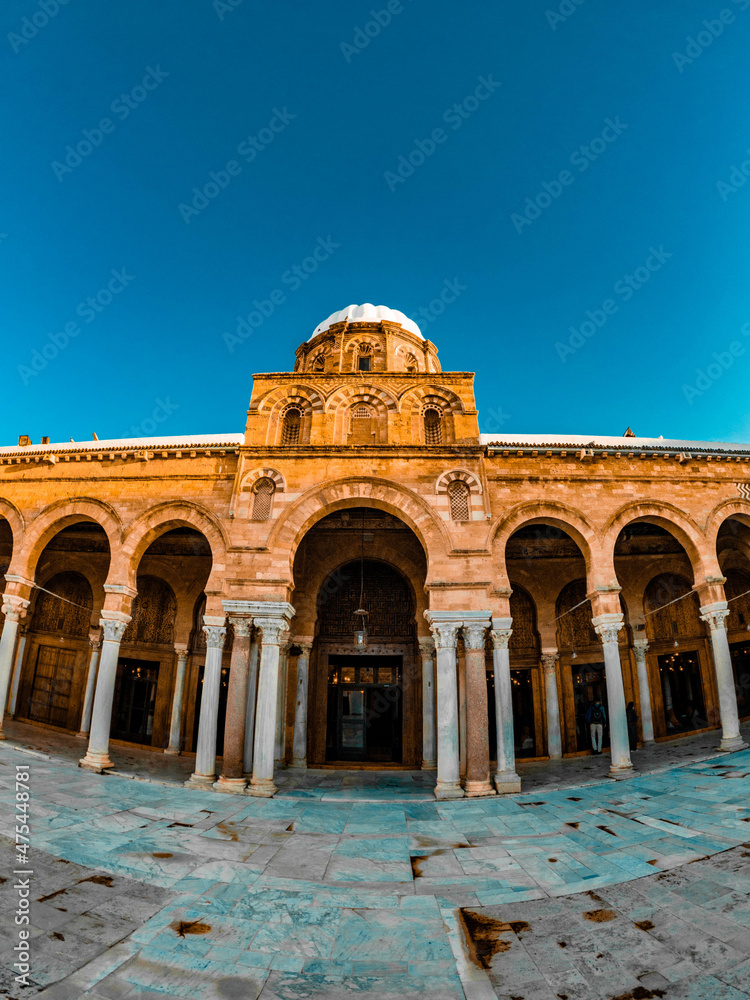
[620, 771]
[473, 789]
[234, 786]
[96, 762]
[429, 765]
[732, 743]
[264, 788]
[200, 780]
[300, 763]
[172, 751]
[82, 736]
[507, 782]
[449, 790]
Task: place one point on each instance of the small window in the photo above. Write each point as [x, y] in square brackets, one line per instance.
[319, 363]
[361, 411]
[410, 363]
[458, 494]
[291, 428]
[363, 362]
[433, 426]
[262, 499]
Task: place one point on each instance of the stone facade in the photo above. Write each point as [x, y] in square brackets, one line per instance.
[198, 594]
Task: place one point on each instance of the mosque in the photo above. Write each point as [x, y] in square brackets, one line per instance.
[362, 579]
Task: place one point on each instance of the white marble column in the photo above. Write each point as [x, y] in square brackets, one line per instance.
[205, 754]
[273, 631]
[97, 754]
[506, 778]
[14, 608]
[252, 690]
[607, 627]
[715, 617]
[552, 699]
[20, 647]
[95, 642]
[175, 724]
[429, 752]
[299, 748]
[279, 743]
[448, 776]
[640, 647]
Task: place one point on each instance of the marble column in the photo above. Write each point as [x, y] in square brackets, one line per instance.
[640, 647]
[97, 754]
[607, 627]
[299, 748]
[549, 668]
[506, 778]
[14, 608]
[175, 723]
[429, 753]
[252, 690]
[279, 743]
[715, 617]
[461, 677]
[273, 632]
[205, 755]
[477, 716]
[95, 642]
[448, 778]
[232, 777]
[20, 647]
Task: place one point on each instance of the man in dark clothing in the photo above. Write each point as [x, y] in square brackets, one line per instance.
[596, 719]
[632, 719]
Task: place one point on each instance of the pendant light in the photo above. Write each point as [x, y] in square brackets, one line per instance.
[360, 627]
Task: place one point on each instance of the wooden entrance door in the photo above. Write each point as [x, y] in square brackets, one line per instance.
[50, 690]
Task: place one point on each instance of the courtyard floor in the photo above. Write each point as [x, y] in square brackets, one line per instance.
[354, 884]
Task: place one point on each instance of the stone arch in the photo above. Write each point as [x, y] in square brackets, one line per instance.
[384, 494]
[160, 519]
[680, 525]
[466, 477]
[415, 398]
[275, 403]
[738, 509]
[380, 402]
[15, 520]
[54, 518]
[599, 572]
[250, 478]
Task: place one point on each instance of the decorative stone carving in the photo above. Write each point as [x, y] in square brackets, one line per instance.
[243, 627]
[273, 630]
[215, 636]
[445, 634]
[474, 635]
[716, 619]
[113, 630]
[549, 660]
[501, 637]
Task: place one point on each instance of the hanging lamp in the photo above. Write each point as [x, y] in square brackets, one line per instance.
[360, 615]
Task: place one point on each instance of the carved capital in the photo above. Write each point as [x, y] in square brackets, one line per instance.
[273, 631]
[608, 633]
[445, 634]
[215, 636]
[549, 659]
[640, 647]
[501, 637]
[304, 649]
[242, 627]
[715, 619]
[14, 608]
[474, 634]
[427, 647]
[112, 629]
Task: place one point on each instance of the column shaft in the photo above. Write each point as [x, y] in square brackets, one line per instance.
[506, 778]
[13, 608]
[272, 632]
[715, 616]
[552, 698]
[448, 778]
[232, 772]
[97, 754]
[252, 690]
[647, 723]
[175, 723]
[608, 626]
[205, 754]
[461, 678]
[17, 674]
[299, 749]
[477, 718]
[429, 751]
[279, 743]
[88, 696]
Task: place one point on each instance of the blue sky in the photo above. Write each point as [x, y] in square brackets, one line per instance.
[581, 173]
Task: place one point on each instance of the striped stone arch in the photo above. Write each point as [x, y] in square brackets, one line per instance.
[355, 340]
[10, 513]
[415, 399]
[462, 475]
[251, 478]
[404, 352]
[380, 402]
[282, 397]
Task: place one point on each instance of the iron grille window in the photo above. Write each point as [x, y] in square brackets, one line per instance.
[361, 411]
[433, 427]
[264, 491]
[458, 494]
[291, 428]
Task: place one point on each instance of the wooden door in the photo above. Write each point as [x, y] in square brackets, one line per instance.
[51, 688]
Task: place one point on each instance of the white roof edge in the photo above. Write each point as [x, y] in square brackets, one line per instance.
[608, 441]
[177, 441]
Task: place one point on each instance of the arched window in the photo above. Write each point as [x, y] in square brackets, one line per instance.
[319, 363]
[263, 498]
[291, 428]
[410, 363]
[433, 426]
[458, 495]
[361, 411]
[364, 358]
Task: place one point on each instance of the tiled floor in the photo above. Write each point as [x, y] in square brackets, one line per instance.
[364, 885]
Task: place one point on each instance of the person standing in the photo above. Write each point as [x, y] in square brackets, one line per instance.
[596, 718]
[632, 719]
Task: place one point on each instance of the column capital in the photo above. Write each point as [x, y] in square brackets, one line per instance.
[304, 645]
[549, 658]
[501, 637]
[445, 634]
[426, 645]
[14, 608]
[715, 615]
[273, 631]
[242, 626]
[640, 648]
[474, 633]
[113, 629]
[607, 627]
[181, 648]
[95, 639]
[215, 636]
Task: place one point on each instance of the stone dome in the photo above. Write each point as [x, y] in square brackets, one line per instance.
[368, 313]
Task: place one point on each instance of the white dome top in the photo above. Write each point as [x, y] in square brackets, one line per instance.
[368, 313]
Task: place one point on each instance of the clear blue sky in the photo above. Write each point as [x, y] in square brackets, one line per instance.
[317, 121]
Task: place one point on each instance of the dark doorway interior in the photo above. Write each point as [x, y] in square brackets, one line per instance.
[589, 684]
[223, 688]
[134, 701]
[364, 709]
[682, 692]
